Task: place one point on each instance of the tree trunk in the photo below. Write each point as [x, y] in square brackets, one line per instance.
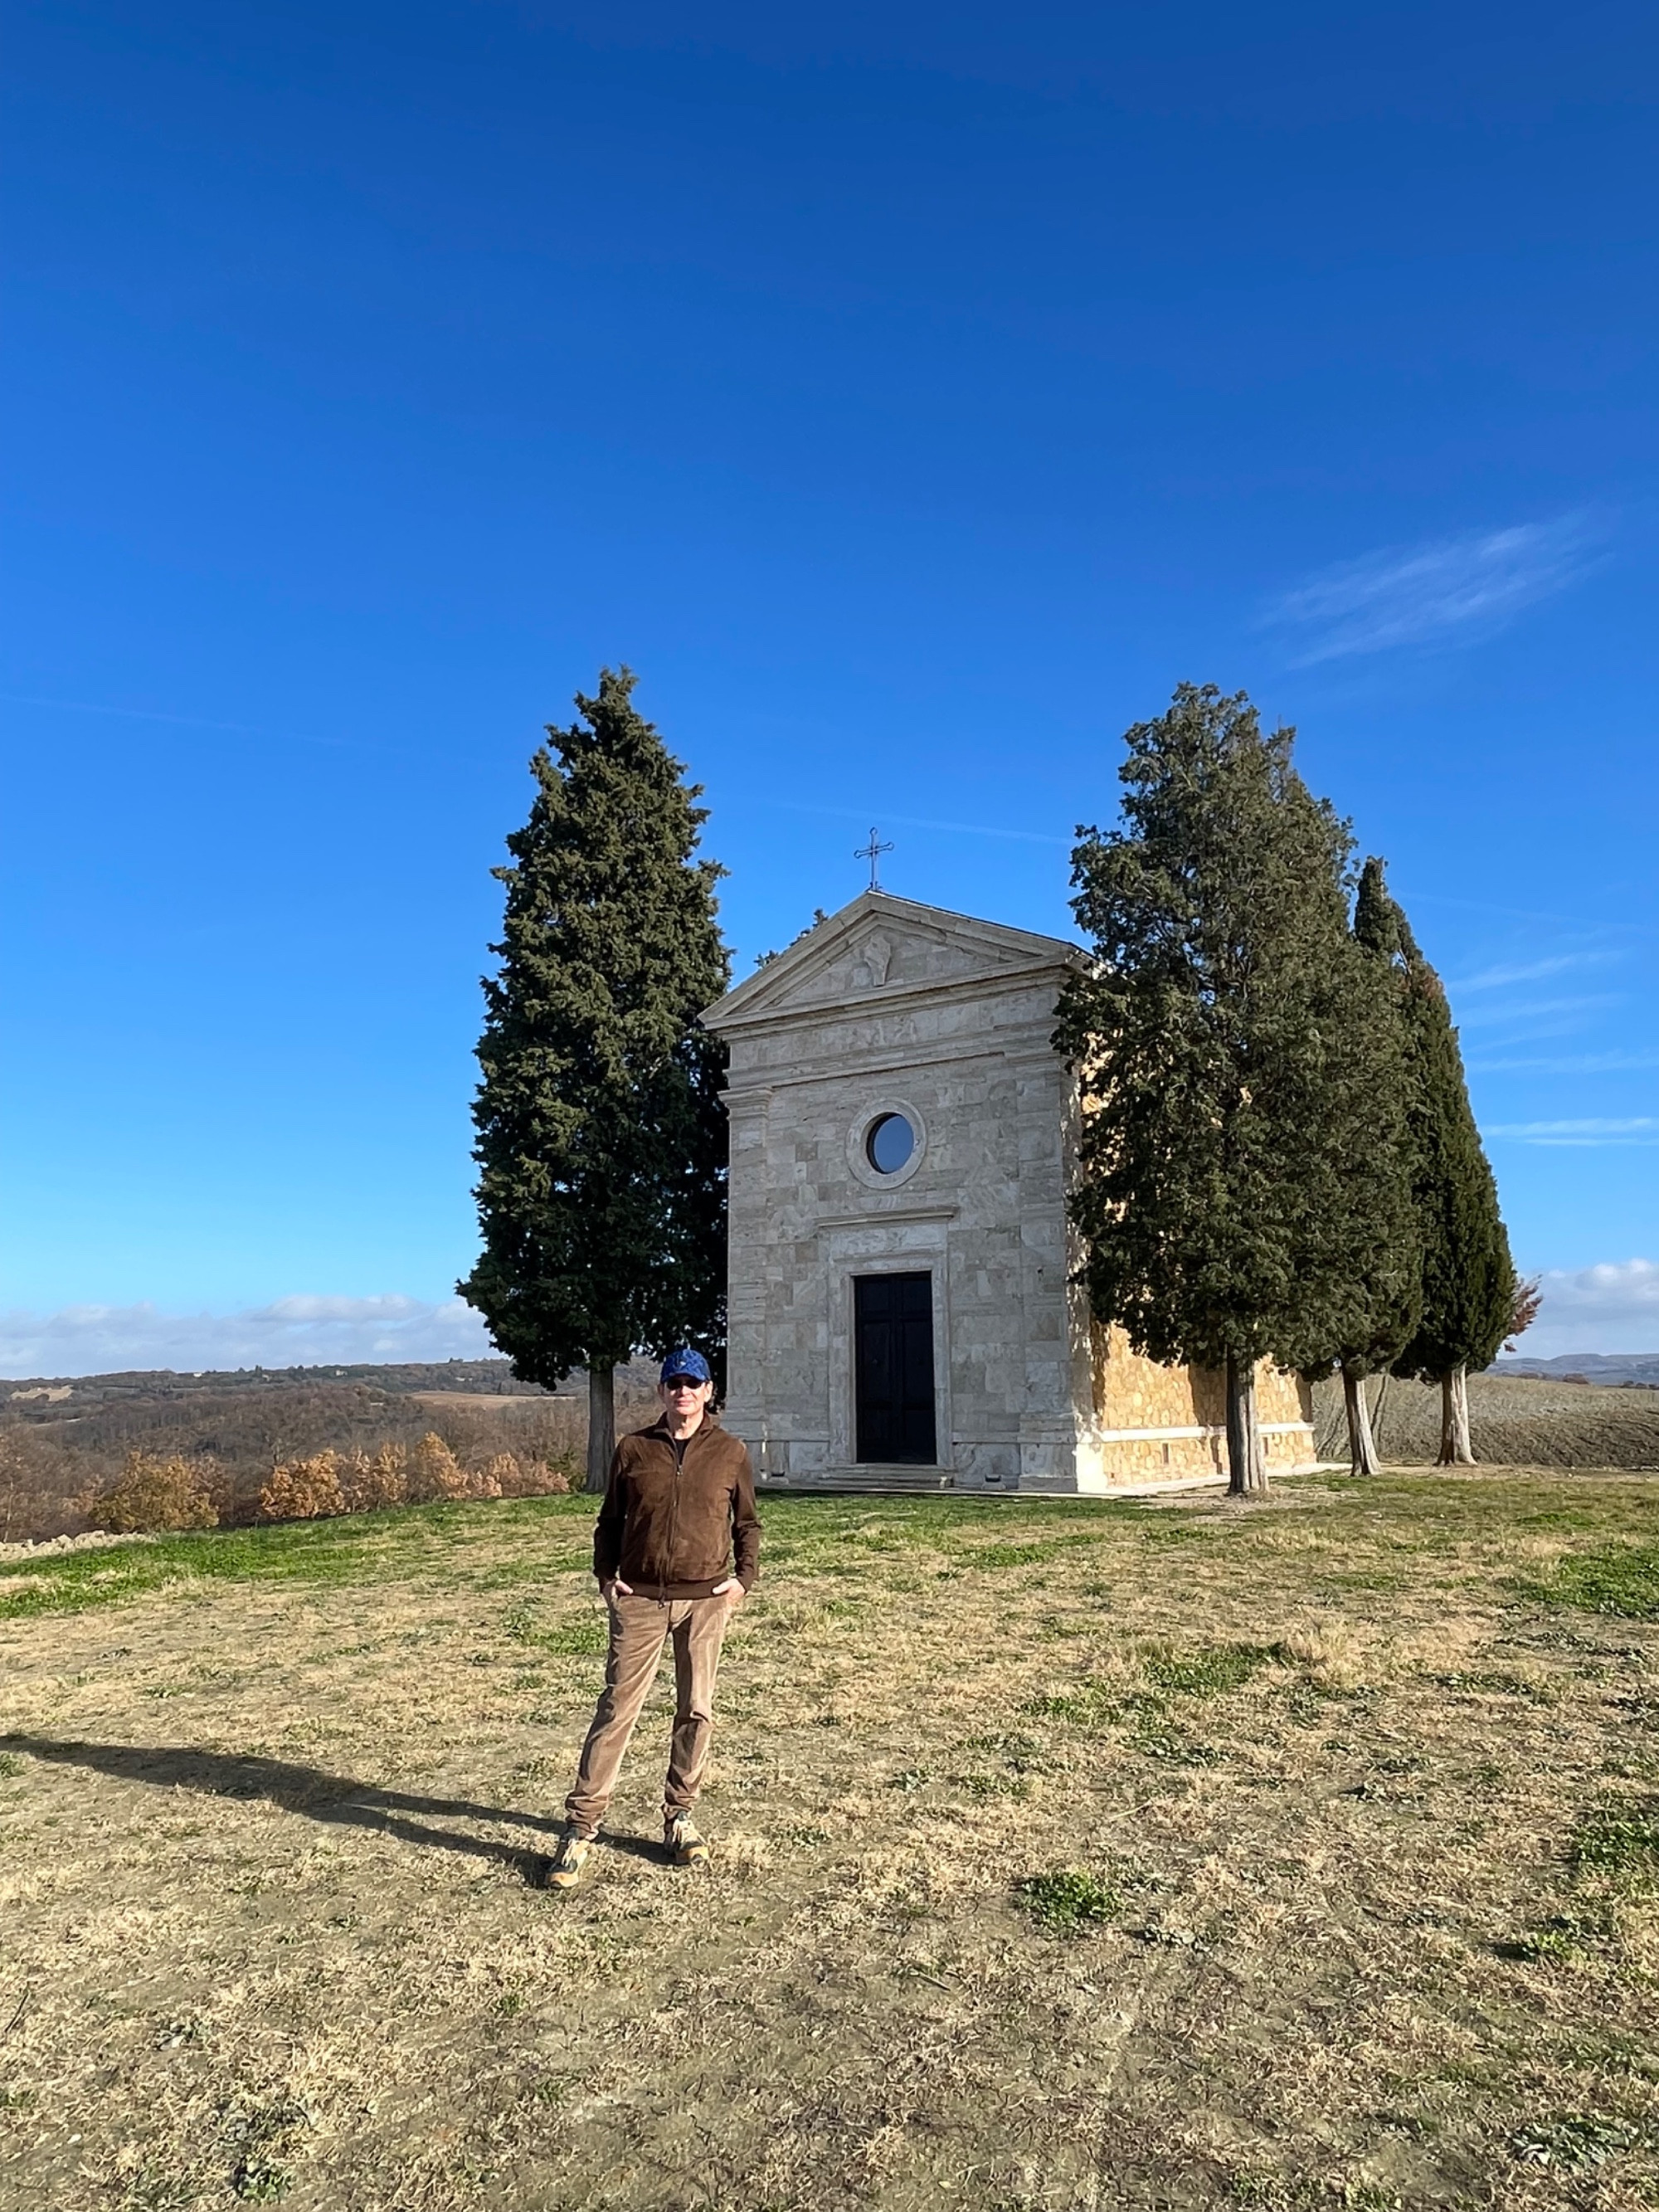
[601, 1424]
[1379, 1409]
[1456, 1449]
[1246, 1465]
[1362, 1445]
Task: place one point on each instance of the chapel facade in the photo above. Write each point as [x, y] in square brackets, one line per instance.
[902, 1308]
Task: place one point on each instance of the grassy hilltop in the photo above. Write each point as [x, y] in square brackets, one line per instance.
[1070, 1854]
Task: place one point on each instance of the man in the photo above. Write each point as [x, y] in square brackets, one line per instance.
[680, 1500]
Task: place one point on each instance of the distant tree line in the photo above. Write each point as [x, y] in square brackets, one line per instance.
[1279, 1160]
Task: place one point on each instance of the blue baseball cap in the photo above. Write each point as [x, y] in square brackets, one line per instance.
[684, 1361]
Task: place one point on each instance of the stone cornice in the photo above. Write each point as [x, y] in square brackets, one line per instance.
[879, 1217]
[994, 983]
[753, 1083]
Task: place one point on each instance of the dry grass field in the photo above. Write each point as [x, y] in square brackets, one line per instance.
[1078, 1855]
[1514, 1420]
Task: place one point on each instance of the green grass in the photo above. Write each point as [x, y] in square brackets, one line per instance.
[1206, 1672]
[1275, 2192]
[1039, 1552]
[1562, 1940]
[1067, 1900]
[1009, 1555]
[1575, 2141]
[1620, 1844]
[1622, 1579]
[1061, 1705]
[413, 1542]
[877, 1543]
[587, 1637]
[431, 1542]
[1494, 1682]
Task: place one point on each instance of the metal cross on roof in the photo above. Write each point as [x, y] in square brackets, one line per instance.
[872, 852]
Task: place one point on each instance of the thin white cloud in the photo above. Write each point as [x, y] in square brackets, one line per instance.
[301, 1331]
[187, 722]
[1632, 1129]
[1456, 588]
[1611, 1308]
[1534, 1011]
[1533, 971]
[1578, 1063]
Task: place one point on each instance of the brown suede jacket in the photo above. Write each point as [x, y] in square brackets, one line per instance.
[668, 1525]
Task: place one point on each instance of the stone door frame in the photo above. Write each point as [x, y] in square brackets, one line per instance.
[911, 1244]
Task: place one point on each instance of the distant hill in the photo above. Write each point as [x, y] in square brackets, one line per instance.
[495, 1376]
[1605, 1367]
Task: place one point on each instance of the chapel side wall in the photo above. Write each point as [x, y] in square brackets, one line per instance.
[1281, 1399]
[1131, 1392]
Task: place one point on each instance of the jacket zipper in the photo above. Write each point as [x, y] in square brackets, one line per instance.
[673, 1519]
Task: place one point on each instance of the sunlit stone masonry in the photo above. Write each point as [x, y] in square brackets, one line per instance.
[904, 1313]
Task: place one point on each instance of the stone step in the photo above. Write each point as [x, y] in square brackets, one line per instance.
[873, 1481]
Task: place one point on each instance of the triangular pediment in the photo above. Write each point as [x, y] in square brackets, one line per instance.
[879, 948]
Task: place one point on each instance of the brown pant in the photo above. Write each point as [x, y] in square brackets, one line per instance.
[639, 1627]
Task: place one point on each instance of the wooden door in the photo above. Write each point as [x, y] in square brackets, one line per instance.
[893, 1366]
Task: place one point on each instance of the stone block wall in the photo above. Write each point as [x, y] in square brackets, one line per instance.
[1152, 1422]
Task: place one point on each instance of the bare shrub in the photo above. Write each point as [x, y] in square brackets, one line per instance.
[485, 1482]
[370, 1484]
[530, 1478]
[435, 1473]
[152, 1494]
[505, 1475]
[304, 1489]
[501, 1476]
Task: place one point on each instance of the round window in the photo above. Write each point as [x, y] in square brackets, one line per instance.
[890, 1143]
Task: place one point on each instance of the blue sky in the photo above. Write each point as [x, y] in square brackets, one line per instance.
[913, 396]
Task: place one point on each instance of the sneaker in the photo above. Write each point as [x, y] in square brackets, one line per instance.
[682, 1842]
[564, 1869]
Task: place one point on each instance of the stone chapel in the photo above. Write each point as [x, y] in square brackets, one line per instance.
[902, 1310]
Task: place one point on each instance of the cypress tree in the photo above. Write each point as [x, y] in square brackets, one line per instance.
[601, 1136]
[1468, 1286]
[1223, 1104]
[1372, 1295]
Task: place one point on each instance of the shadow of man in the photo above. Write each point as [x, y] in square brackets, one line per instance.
[334, 1799]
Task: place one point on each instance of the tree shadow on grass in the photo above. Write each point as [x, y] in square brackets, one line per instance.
[334, 1799]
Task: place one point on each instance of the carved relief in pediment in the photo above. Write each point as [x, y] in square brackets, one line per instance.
[872, 960]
